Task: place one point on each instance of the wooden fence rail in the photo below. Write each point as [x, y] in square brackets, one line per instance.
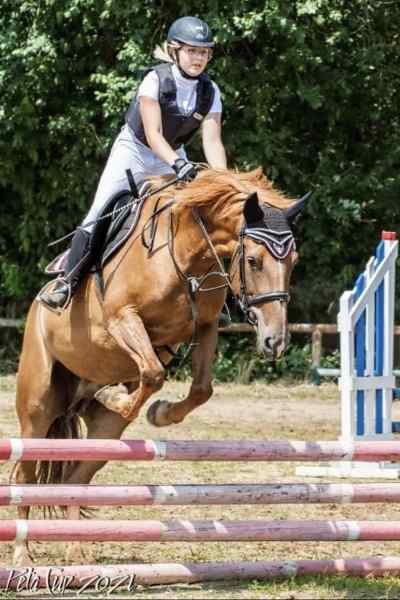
[317, 331]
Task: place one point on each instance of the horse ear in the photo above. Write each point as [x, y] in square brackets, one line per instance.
[252, 211]
[292, 212]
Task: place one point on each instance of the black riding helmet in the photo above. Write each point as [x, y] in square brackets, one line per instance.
[191, 31]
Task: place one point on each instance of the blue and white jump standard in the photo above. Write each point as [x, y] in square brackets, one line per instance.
[367, 383]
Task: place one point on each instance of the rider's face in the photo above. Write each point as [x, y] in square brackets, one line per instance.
[193, 60]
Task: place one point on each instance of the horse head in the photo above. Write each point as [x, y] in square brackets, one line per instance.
[261, 270]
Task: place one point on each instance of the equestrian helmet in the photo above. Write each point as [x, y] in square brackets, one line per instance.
[191, 31]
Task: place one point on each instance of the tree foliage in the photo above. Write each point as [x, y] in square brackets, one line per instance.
[310, 91]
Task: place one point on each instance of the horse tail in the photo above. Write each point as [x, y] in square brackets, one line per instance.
[67, 426]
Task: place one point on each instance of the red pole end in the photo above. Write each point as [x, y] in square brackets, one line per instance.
[389, 235]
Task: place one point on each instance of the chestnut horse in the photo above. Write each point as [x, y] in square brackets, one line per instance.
[103, 356]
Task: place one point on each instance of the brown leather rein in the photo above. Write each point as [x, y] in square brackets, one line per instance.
[196, 284]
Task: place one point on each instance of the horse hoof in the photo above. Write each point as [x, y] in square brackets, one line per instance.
[157, 413]
[116, 399]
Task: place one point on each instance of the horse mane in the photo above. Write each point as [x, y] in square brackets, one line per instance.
[225, 191]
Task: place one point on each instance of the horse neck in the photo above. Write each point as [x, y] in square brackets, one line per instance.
[191, 243]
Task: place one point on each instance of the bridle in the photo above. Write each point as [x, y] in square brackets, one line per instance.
[247, 300]
[196, 284]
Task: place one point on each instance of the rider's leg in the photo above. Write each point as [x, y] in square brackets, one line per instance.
[79, 261]
[112, 181]
[125, 154]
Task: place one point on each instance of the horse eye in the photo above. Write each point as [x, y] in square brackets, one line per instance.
[252, 262]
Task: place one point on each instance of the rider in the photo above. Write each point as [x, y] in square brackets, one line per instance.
[173, 100]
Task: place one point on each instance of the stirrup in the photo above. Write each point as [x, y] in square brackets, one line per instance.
[45, 289]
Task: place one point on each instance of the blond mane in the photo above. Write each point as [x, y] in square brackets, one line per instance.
[225, 191]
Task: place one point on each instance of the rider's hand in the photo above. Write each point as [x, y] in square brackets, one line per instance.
[185, 171]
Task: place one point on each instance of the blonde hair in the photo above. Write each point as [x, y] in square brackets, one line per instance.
[166, 51]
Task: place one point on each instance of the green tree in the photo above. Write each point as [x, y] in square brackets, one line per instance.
[310, 91]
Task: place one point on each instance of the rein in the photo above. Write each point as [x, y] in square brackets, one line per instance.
[195, 284]
[115, 211]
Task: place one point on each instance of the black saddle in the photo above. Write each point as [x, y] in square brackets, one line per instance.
[110, 232]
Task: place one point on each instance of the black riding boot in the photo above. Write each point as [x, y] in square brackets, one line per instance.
[78, 264]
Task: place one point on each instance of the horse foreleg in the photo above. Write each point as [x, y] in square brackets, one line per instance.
[130, 334]
[162, 412]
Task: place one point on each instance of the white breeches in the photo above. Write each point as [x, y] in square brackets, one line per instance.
[127, 152]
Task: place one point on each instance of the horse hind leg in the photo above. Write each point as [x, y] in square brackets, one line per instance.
[26, 473]
[78, 394]
[59, 402]
[38, 405]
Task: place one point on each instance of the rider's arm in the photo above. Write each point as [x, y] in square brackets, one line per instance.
[212, 142]
[150, 112]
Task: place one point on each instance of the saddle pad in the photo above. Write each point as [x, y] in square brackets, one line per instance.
[57, 265]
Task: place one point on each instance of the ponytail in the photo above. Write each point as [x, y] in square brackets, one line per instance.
[166, 52]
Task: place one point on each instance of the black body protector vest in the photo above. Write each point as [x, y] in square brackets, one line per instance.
[178, 128]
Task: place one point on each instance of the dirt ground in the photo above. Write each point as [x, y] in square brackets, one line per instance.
[257, 411]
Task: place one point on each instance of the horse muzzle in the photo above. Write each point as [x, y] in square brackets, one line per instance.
[275, 345]
[272, 338]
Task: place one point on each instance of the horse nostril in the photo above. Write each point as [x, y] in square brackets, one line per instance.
[253, 317]
[269, 343]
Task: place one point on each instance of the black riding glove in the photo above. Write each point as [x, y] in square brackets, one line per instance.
[185, 171]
